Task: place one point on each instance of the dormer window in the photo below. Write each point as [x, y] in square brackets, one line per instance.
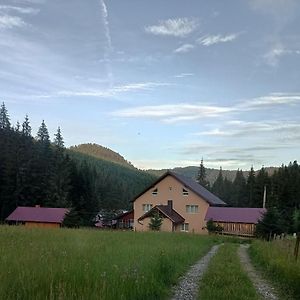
[185, 192]
[154, 192]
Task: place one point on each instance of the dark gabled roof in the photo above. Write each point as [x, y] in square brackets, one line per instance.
[235, 214]
[192, 185]
[38, 214]
[120, 216]
[167, 211]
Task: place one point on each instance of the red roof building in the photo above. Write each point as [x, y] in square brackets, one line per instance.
[236, 220]
[37, 216]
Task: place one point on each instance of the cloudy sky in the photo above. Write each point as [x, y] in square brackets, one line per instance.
[164, 83]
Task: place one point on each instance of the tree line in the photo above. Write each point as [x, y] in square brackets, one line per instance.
[38, 171]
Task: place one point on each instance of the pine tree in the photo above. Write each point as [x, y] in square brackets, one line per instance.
[58, 140]
[201, 177]
[250, 187]
[155, 221]
[4, 117]
[218, 186]
[239, 189]
[26, 128]
[43, 134]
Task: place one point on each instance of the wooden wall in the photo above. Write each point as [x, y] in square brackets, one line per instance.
[245, 229]
[40, 224]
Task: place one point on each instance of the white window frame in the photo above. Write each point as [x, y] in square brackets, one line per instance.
[192, 209]
[184, 227]
[146, 207]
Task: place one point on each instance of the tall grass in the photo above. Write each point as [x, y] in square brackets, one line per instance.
[276, 260]
[90, 264]
[225, 279]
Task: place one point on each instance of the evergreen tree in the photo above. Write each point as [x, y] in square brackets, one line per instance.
[43, 134]
[26, 128]
[201, 177]
[4, 118]
[239, 190]
[250, 187]
[218, 186]
[261, 181]
[58, 140]
[155, 221]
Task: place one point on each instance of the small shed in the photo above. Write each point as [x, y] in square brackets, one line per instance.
[236, 220]
[37, 216]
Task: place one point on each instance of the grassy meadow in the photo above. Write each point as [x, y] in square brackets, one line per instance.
[275, 259]
[225, 279]
[90, 264]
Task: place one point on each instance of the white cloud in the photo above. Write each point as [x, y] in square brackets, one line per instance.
[171, 113]
[180, 27]
[272, 99]
[8, 22]
[273, 56]
[184, 48]
[241, 128]
[111, 92]
[209, 40]
[22, 10]
[182, 75]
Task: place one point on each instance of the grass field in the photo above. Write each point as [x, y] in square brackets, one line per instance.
[225, 279]
[277, 262]
[90, 264]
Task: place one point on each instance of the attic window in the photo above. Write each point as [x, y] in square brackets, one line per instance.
[154, 192]
[185, 192]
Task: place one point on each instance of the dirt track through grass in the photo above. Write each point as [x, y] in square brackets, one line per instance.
[187, 289]
[262, 286]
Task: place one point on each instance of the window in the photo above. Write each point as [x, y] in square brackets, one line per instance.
[192, 209]
[147, 207]
[185, 192]
[185, 227]
[154, 192]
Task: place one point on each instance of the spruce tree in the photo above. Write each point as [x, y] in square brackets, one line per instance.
[201, 177]
[4, 117]
[58, 140]
[155, 221]
[43, 134]
[218, 186]
[250, 187]
[26, 128]
[239, 189]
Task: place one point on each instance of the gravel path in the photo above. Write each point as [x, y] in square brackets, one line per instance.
[261, 285]
[188, 286]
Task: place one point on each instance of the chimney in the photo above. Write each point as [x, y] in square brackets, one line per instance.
[170, 204]
[37, 205]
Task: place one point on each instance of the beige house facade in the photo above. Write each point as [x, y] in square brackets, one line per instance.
[182, 203]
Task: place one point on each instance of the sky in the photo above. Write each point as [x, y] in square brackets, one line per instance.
[163, 83]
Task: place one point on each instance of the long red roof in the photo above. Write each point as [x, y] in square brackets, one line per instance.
[235, 214]
[38, 214]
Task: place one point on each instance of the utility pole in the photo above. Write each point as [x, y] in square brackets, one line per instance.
[265, 196]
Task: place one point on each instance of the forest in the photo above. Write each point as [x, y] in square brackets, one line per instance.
[38, 171]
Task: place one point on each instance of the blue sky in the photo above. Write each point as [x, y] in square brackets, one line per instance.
[164, 83]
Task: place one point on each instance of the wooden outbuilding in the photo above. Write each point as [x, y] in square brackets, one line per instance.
[239, 221]
[37, 216]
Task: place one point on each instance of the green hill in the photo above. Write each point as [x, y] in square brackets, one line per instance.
[101, 152]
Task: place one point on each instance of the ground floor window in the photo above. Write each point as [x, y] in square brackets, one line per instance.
[185, 227]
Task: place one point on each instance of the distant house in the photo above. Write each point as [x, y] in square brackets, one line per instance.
[37, 216]
[181, 201]
[125, 220]
[235, 220]
[186, 206]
